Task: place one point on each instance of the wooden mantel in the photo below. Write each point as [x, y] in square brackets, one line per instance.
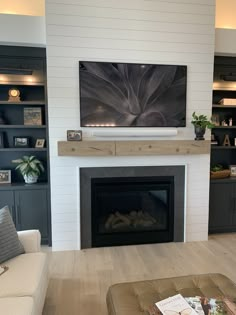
[133, 147]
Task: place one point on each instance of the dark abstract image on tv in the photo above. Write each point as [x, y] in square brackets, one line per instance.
[132, 95]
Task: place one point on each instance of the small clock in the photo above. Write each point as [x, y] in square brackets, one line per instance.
[14, 95]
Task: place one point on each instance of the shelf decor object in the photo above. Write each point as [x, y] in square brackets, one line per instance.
[14, 95]
[33, 116]
[228, 101]
[21, 142]
[5, 176]
[232, 170]
[30, 168]
[200, 123]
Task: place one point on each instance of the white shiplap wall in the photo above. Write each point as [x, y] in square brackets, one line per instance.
[145, 31]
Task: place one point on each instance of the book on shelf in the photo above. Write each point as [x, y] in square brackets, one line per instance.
[197, 305]
[228, 101]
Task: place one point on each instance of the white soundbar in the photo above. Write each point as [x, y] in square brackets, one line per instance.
[164, 132]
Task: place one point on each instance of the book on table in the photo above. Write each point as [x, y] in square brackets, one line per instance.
[197, 305]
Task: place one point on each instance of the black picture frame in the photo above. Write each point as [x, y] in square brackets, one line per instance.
[74, 135]
[21, 142]
[1, 140]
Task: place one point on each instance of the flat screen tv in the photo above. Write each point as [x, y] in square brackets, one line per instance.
[132, 95]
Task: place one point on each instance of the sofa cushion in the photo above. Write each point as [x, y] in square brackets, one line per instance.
[10, 245]
[17, 305]
[26, 275]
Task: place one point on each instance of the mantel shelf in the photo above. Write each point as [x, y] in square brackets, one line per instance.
[133, 147]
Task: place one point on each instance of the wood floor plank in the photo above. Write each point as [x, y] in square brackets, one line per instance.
[79, 280]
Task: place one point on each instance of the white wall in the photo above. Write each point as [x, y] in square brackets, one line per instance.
[151, 31]
[22, 30]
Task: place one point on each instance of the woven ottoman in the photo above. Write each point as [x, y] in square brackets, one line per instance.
[136, 298]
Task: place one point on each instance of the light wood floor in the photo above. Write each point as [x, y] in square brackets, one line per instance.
[80, 279]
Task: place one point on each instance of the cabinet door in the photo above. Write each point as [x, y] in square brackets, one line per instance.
[221, 209]
[7, 199]
[32, 210]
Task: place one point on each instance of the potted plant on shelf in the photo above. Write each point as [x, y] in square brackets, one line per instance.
[219, 171]
[200, 123]
[30, 168]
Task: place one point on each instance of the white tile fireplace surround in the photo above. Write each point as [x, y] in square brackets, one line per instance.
[66, 194]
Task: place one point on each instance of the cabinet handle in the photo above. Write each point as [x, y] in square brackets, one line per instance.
[18, 219]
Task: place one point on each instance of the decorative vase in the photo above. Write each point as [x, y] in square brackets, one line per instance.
[199, 132]
[30, 179]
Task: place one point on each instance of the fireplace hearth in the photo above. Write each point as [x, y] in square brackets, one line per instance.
[131, 205]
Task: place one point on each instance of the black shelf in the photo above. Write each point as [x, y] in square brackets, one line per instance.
[31, 103]
[22, 126]
[15, 186]
[22, 149]
[223, 106]
[224, 127]
[18, 83]
[222, 147]
[224, 180]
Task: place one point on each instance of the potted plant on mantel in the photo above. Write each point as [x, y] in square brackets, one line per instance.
[30, 168]
[200, 123]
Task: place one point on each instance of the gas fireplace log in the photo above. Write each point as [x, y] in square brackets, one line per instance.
[108, 222]
[133, 219]
[123, 218]
[147, 216]
[119, 225]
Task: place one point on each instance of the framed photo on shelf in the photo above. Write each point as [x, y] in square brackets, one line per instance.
[5, 176]
[40, 143]
[21, 142]
[232, 170]
[33, 116]
[74, 135]
[215, 119]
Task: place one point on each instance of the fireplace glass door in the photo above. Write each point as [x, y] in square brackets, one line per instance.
[132, 210]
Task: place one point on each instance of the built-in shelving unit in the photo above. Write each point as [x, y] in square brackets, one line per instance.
[222, 206]
[25, 118]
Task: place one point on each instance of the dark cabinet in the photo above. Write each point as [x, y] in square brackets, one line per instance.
[222, 214]
[29, 209]
[7, 198]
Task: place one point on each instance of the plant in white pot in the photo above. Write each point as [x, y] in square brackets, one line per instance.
[30, 168]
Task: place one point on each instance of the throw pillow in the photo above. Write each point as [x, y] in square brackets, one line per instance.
[10, 246]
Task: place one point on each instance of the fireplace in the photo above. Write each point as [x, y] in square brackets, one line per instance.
[131, 205]
[127, 210]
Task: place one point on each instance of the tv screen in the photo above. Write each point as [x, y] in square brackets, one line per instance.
[132, 95]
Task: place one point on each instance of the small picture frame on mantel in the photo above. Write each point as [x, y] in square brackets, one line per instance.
[74, 135]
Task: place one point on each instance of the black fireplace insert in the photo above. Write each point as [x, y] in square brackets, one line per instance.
[131, 210]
